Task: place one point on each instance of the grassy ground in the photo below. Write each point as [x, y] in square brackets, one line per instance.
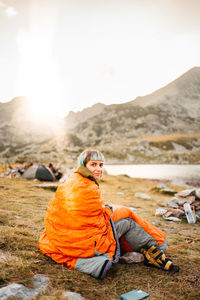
[22, 209]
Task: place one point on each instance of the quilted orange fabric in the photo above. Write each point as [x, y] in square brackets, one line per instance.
[77, 223]
[125, 212]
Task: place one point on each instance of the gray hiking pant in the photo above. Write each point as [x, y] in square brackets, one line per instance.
[136, 237]
[134, 234]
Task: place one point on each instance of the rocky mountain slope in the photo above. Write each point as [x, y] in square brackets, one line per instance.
[163, 127]
[74, 118]
[22, 137]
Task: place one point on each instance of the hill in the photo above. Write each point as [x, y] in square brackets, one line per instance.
[162, 127]
[25, 138]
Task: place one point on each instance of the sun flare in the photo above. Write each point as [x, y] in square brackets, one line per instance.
[39, 75]
[42, 109]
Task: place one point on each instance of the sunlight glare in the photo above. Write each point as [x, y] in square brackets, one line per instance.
[10, 11]
[39, 75]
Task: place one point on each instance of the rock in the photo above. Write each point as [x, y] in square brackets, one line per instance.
[131, 257]
[178, 201]
[143, 196]
[197, 193]
[172, 219]
[168, 191]
[49, 186]
[160, 211]
[172, 203]
[190, 214]
[174, 213]
[3, 256]
[179, 182]
[181, 200]
[186, 193]
[19, 291]
[164, 189]
[120, 193]
[189, 199]
[36, 261]
[178, 213]
[161, 186]
[72, 296]
[167, 214]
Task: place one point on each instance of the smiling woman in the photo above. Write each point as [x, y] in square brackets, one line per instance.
[84, 234]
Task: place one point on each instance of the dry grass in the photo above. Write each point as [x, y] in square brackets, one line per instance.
[22, 209]
[172, 137]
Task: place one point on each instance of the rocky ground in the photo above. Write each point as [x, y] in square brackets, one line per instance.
[22, 209]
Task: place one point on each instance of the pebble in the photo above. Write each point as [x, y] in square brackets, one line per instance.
[120, 193]
[143, 196]
[72, 296]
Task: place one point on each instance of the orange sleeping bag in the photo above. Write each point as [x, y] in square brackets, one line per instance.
[77, 223]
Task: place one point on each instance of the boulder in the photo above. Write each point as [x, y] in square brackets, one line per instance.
[19, 291]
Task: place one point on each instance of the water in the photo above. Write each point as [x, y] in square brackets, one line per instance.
[166, 172]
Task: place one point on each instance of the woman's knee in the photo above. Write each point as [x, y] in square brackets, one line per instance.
[122, 226]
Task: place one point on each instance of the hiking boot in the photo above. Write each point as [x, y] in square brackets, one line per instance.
[155, 257]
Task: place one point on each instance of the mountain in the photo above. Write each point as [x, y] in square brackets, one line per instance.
[183, 88]
[162, 127]
[19, 133]
[24, 137]
[74, 118]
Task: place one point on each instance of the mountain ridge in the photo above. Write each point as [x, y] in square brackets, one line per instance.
[162, 127]
[170, 89]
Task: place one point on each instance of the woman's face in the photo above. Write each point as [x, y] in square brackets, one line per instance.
[95, 167]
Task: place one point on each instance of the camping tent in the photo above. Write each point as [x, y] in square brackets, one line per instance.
[41, 173]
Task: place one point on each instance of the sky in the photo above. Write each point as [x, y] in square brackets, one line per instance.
[70, 54]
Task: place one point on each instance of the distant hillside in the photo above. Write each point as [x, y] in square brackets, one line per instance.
[182, 89]
[163, 127]
[74, 118]
[22, 137]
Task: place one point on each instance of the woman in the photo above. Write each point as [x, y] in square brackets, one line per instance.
[84, 234]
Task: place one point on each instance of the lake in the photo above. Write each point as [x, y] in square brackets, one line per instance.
[166, 172]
